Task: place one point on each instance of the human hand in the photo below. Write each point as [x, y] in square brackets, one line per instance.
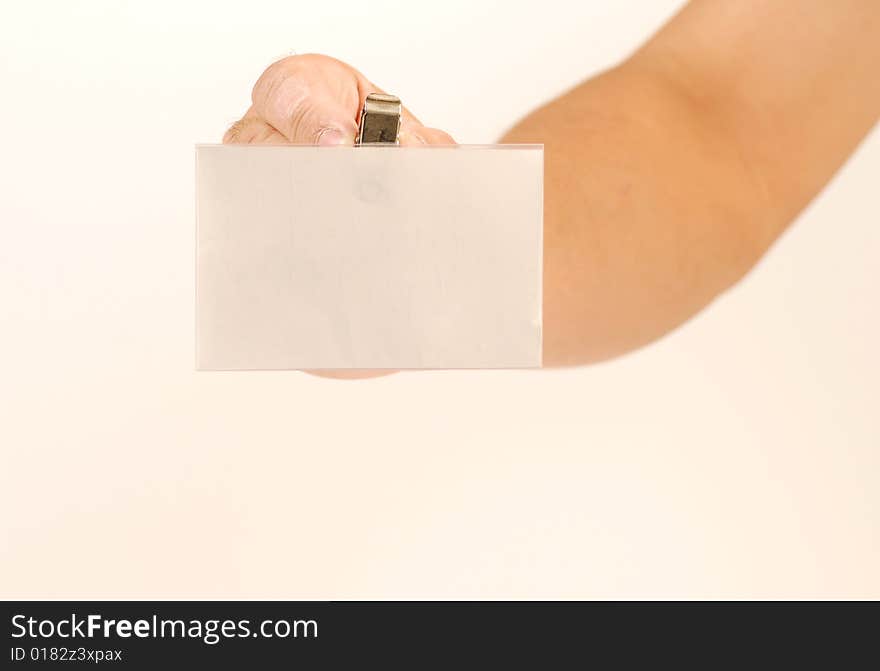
[316, 99]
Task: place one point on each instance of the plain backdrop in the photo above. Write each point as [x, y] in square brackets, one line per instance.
[738, 457]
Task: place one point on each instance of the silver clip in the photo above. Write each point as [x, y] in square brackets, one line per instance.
[380, 120]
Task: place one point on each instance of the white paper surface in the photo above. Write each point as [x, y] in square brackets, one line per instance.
[369, 257]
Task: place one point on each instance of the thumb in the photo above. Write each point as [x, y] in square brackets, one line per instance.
[311, 121]
[298, 104]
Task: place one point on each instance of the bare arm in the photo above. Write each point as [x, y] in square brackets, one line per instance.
[668, 177]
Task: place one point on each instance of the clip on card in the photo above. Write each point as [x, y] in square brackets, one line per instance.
[380, 120]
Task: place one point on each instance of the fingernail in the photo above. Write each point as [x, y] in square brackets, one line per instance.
[330, 137]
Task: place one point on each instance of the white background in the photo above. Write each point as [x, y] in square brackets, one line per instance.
[738, 457]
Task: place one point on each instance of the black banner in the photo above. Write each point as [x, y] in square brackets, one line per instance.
[172, 635]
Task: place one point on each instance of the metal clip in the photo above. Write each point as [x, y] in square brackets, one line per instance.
[380, 120]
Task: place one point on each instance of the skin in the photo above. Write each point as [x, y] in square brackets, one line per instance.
[666, 178]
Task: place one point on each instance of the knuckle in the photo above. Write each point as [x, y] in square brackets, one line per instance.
[232, 134]
[242, 131]
[297, 94]
[289, 67]
[281, 92]
[301, 66]
[272, 77]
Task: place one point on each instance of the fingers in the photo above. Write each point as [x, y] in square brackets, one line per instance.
[436, 136]
[315, 99]
[309, 100]
[415, 135]
[253, 130]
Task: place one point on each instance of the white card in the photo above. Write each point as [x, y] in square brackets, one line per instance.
[369, 257]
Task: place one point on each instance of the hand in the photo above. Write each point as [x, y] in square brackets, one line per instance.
[315, 99]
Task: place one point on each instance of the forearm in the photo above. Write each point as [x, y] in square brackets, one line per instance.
[648, 214]
[668, 177]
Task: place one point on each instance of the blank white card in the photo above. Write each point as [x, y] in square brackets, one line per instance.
[369, 257]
